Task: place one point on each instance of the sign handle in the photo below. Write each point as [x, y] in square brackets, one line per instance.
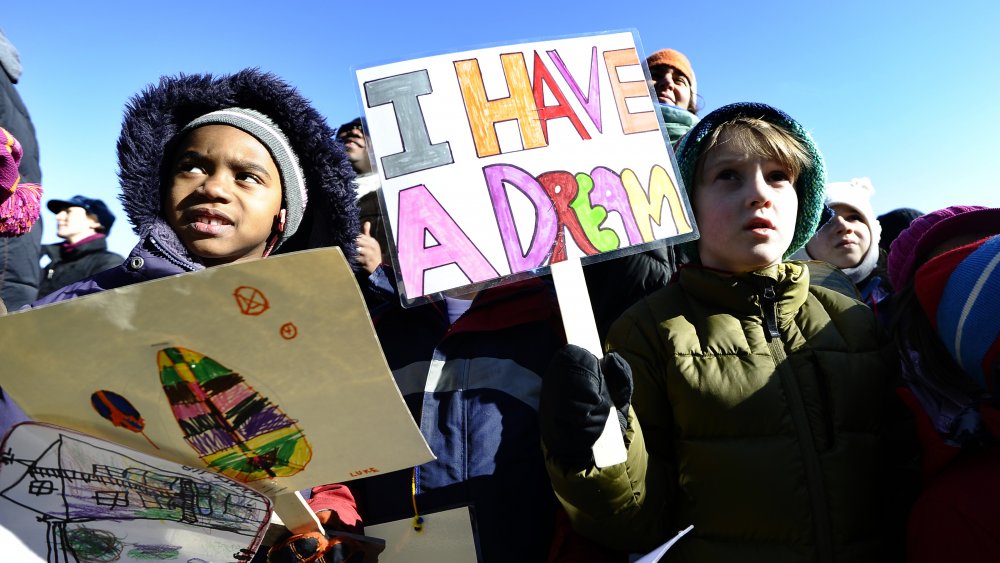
[581, 330]
[295, 514]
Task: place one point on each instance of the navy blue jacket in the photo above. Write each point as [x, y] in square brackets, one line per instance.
[473, 389]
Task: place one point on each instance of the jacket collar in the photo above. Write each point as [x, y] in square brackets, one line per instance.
[93, 243]
[742, 294]
[162, 242]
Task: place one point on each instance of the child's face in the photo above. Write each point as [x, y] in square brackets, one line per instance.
[225, 195]
[844, 240]
[746, 208]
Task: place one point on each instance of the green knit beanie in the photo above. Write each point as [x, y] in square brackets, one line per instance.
[810, 185]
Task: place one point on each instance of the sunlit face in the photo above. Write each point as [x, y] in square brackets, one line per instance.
[746, 209]
[671, 86]
[225, 195]
[356, 146]
[844, 240]
[74, 224]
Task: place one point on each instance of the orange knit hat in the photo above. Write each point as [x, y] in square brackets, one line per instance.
[677, 60]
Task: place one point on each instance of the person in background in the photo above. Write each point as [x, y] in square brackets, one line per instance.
[19, 210]
[19, 270]
[19, 201]
[356, 141]
[374, 271]
[850, 239]
[946, 325]
[753, 405]
[895, 222]
[84, 224]
[676, 89]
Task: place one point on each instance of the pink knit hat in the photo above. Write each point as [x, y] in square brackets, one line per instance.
[924, 233]
[19, 202]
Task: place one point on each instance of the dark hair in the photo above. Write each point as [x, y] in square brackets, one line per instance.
[100, 228]
[895, 222]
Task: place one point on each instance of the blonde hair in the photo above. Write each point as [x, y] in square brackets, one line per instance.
[757, 138]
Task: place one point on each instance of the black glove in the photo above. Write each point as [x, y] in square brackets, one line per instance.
[577, 393]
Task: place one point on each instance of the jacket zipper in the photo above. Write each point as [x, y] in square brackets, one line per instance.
[810, 455]
[770, 309]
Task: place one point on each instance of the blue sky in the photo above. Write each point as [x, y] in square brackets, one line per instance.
[905, 93]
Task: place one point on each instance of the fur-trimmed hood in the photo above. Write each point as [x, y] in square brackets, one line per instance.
[154, 117]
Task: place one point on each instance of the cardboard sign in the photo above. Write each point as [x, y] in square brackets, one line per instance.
[498, 162]
[447, 535]
[266, 371]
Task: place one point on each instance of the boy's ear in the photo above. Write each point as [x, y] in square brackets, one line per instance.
[281, 220]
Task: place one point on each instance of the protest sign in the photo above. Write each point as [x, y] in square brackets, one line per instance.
[267, 371]
[67, 496]
[445, 535]
[497, 163]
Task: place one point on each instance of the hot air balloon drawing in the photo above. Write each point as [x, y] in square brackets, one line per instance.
[235, 430]
[120, 412]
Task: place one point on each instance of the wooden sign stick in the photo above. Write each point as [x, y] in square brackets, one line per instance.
[581, 330]
[295, 514]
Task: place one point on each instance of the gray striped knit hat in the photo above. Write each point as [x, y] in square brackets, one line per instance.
[270, 135]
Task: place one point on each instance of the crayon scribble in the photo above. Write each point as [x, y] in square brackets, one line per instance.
[235, 430]
[120, 412]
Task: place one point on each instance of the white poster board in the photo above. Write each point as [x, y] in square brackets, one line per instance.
[496, 163]
[266, 371]
[446, 535]
[66, 496]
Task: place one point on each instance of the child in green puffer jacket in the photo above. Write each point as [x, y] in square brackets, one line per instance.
[753, 405]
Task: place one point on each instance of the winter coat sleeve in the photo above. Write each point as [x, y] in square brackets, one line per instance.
[613, 505]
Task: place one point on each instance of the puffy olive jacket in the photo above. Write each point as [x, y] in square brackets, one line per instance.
[760, 402]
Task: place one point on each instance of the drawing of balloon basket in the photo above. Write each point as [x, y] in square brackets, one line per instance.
[73, 499]
[234, 429]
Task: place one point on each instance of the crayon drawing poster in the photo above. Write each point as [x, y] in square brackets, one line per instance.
[268, 372]
[66, 496]
[501, 161]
